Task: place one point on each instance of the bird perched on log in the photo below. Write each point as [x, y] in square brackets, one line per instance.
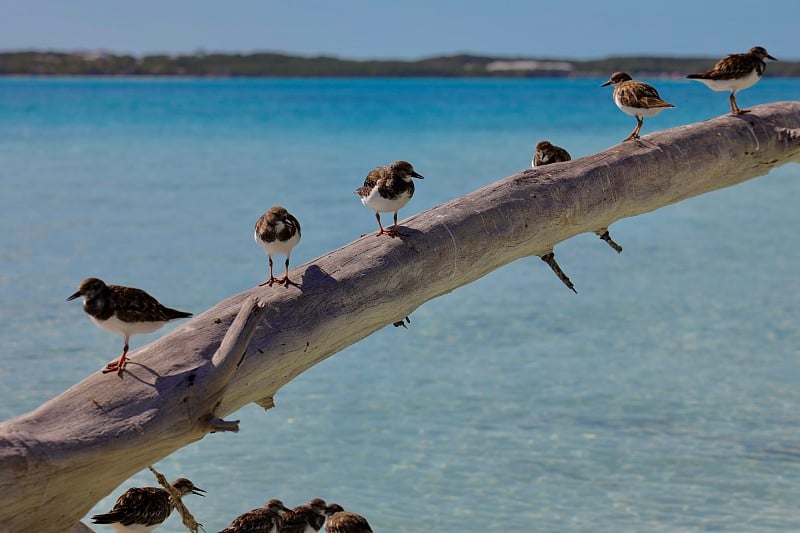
[267, 519]
[636, 98]
[124, 310]
[547, 153]
[277, 232]
[735, 73]
[142, 509]
[341, 521]
[306, 518]
[387, 189]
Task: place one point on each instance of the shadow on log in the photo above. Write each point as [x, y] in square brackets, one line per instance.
[178, 389]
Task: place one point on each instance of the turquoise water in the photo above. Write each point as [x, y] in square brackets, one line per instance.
[663, 397]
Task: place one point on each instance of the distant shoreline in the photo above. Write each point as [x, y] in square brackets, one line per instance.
[274, 65]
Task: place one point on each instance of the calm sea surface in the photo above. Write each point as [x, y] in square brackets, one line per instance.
[665, 396]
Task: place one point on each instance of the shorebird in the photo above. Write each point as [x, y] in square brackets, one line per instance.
[124, 310]
[547, 153]
[267, 519]
[387, 189]
[277, 232]
[307, 518]
[636, 98]
[142, 509]
[734, 73]
[341, 521]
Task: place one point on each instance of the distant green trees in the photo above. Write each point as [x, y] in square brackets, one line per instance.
[265, 64]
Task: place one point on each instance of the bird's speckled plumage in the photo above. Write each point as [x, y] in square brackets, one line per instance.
[636, 98]
[305, 518]
[387, 189]
[277, 232]
[124, 310]
[547, 153]
[341, 521]
[267, 519]
[144, 508]
[735, 73]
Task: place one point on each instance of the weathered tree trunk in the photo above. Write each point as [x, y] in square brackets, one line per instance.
[175, 390]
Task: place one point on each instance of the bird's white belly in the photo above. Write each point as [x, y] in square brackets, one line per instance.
[379, 204]
[640, 111]
[278, 247]
[732, 85]
[116, 325]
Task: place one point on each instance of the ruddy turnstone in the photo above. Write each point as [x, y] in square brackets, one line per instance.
[341, 521]
[123, 310]
[735, 72]
[387, 189]
[142, 509]
[277, 232]
[550, 259]
[267, 519]
[306, 518]
[636, 98]
[547, 153]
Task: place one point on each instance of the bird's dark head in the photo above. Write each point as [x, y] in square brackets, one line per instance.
[276, 506]
[404, 170]
[333, 508]
[761, 53]
[89, 288]
[616, 78]
[185, 486]
[318, 506]
[279, 212]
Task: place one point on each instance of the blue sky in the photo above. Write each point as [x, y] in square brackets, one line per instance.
[406, 29]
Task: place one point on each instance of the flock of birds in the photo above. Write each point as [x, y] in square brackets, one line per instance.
[386, 189]
[142, 509]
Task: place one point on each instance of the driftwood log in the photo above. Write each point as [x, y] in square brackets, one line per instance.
[178, 389]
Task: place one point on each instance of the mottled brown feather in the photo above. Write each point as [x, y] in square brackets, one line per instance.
[634, 93]
[266, 225]
[547, 153]
[736, 66]
[346, 522]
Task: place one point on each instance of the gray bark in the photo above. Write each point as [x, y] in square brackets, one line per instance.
[179, 388]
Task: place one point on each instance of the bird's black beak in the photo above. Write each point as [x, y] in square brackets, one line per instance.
[770, 57]
[77, 293]
[606, 83]
[417, 175]
[198, 491]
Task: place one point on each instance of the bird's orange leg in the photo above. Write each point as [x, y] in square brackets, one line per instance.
[735, 107]
[286, 281]
[635, 134]
[119, 364]
[272, 279]
[394, 231]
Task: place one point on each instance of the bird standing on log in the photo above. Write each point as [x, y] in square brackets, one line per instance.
[277, 232]
[735, 73]
[387, 189]
[636, 98]
[124, 310]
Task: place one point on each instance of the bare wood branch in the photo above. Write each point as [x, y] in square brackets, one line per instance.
[186, 517]
[175, 390]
